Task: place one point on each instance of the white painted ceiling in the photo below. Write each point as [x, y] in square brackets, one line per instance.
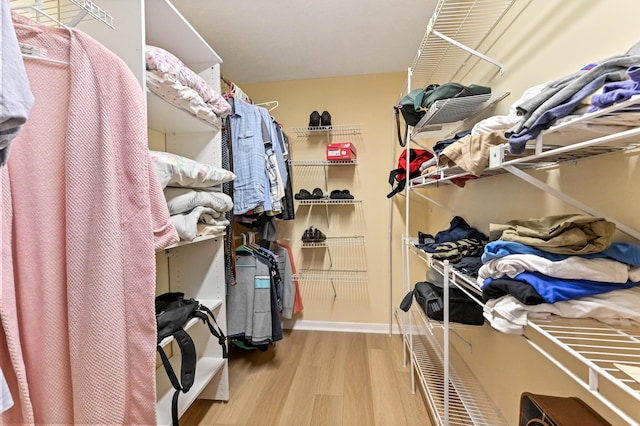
[275, 40]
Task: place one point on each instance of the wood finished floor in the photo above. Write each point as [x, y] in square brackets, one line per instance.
[317, 378]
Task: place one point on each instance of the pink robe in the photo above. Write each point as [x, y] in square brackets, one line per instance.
[78, 256]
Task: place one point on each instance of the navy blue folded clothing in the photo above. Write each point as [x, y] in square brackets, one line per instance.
[553, 289]
[458, 229]
[518, 289]
[469, 265]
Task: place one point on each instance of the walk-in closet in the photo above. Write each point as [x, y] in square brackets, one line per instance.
[350, 213]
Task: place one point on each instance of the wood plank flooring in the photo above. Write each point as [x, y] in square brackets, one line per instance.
[317, 378]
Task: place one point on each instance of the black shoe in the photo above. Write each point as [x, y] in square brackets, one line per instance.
[303, 194]
[317, 194]
[325, 119]
[318, 236]
[314, 119]
[307, 236]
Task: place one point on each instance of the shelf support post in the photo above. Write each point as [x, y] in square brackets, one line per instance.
[470, 50]
[569, 200]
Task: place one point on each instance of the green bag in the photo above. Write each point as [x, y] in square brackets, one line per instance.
[417, 102]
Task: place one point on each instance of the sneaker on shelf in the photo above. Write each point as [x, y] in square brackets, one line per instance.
[325, 119]
[307, 235]
[318, 236]
[314, 119]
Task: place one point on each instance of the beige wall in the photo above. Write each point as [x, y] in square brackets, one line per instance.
[541, 40]
[365, 101]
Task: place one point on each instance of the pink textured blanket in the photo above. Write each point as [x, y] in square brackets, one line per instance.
[78, 263]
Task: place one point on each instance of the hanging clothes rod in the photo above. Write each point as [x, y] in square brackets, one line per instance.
[235, 90]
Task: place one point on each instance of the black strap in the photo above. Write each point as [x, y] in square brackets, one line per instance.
[174, 408]
[392, 180]
[204, 316]
[169, 368]
[401, 140]
[188, 369]
[174, 382]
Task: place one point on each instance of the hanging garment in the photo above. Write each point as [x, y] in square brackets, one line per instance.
[291, 299]
[249, 301]
[86, 214]
[16, 99]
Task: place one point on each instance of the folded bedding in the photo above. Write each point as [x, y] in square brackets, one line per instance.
[187, 223]
[168, 88]
[176, 170]
[168, 65]
[181, 200]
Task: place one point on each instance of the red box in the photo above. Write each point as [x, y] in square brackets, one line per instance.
[341, 151]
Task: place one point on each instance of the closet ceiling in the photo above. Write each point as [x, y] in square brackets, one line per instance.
[296, 39]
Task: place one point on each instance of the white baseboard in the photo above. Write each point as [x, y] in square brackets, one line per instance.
[347, 327]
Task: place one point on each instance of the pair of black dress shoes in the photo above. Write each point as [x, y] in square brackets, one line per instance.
[320, 120]
[303, 194]
[313, 235]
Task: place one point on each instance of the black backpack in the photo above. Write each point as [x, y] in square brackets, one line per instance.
[172, 313]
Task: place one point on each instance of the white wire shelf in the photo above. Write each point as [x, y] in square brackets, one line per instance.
[338, 130]
[462, 281]
[455, 29]
[468, 402]
[327, 201]
[324, 162]
[445, 116]
[586, 136]
[332, 275]
[599, 350]
[352, 241]
[69, 12]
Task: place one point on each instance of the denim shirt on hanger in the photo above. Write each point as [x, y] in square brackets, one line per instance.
[248, 159]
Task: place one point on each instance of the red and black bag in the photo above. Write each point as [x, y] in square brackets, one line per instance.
[399, 175]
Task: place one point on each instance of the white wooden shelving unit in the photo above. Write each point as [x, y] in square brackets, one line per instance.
[586, 350]
[195, 268]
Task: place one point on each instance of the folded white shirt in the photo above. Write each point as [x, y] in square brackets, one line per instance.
[508, 315]
[574, 267]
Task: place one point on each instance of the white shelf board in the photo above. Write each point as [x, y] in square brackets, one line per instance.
[328, 201]
[196, 240]
[167, 28]
[206, 369]
[167, 118]
[324, 162]
[337, 130]
[211, 304]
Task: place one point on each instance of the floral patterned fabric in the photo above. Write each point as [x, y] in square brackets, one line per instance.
[168, 88]
[164, 62]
